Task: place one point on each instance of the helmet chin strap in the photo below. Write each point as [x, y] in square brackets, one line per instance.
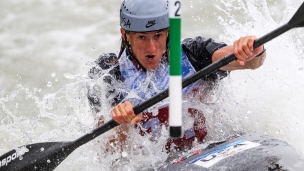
[130, 55]
[133, 59]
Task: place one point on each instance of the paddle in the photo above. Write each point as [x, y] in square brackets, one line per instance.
[47, 156]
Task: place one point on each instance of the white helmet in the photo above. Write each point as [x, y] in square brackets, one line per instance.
[144, 15]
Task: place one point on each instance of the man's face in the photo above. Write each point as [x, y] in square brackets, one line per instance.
[148, 47]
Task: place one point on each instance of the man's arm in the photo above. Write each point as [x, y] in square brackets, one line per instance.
[246, 57]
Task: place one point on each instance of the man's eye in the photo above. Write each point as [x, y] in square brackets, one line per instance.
[141, 37]
[158, 35]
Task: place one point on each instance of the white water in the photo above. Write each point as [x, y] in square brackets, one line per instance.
[45, 46]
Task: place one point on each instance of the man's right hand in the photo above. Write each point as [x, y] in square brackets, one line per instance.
[123, 114]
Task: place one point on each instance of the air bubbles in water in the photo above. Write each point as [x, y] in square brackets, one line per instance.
[257, 124]
[191, 5]
[124, 154]
[249, 111]
[53, 74]
[49, 84]
[36, 90]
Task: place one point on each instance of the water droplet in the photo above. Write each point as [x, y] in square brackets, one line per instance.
[124, 154]
[53, 74]
[49, 84]
[48, 161]
[42, 149]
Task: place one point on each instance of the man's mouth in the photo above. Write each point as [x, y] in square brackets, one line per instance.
[150, 56]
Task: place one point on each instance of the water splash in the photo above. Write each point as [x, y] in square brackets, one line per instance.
[266, 100]
[272, 93]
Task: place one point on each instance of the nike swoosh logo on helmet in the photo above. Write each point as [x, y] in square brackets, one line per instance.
[150, 23]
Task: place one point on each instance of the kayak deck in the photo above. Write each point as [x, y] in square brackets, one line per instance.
[246, 152]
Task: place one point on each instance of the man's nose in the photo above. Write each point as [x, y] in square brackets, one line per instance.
[151, 46]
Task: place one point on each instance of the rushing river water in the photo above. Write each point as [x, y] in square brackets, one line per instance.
[45, 52]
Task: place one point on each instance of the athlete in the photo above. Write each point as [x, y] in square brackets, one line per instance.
[140, 70]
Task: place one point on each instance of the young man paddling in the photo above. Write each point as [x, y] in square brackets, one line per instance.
[140, 70]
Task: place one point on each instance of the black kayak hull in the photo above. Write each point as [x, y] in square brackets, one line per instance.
[247, 152]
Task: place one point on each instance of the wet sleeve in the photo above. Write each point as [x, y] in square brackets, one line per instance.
[199, 51]
[103, 62]
[102, 69]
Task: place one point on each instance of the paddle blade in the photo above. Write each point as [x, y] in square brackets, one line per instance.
[40, 156]
[298, 19]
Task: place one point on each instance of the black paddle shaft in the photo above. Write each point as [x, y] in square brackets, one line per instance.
[47, 156]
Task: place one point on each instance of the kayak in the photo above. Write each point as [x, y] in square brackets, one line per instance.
[244, 152]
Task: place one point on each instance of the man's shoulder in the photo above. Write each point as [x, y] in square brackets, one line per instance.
[199, 40]
[103, 62]
[199, 51]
